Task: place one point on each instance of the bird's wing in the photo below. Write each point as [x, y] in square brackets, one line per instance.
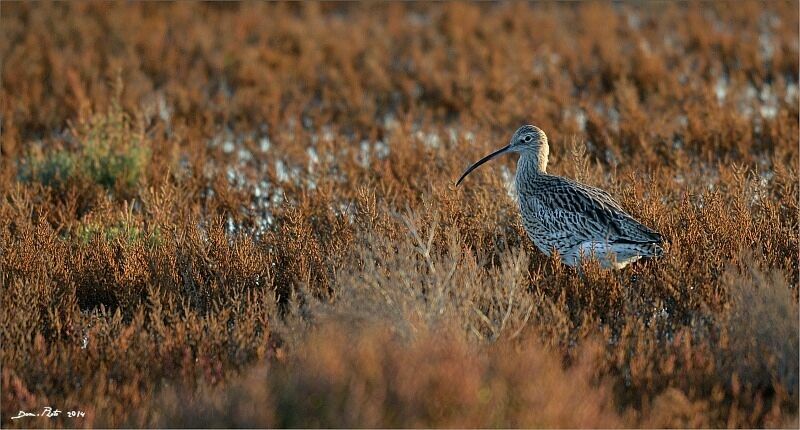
[600, 214]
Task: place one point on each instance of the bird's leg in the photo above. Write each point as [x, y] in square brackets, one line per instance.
[581, 273]
[620, 277]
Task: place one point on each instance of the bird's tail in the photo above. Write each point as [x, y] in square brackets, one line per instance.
[654, 249]
[644, 248]
[626, 250]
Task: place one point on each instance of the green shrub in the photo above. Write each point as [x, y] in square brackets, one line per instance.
[127, 233]
[110, 154]
[53, 169]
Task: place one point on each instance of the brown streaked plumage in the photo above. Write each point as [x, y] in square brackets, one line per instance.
[572, 218]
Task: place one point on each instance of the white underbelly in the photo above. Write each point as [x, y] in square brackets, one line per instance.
[609, 255]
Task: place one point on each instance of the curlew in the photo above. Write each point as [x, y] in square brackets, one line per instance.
[569, 217]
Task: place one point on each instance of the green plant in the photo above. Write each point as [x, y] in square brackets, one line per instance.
[53, 169]
[110, 153]
[128, 234]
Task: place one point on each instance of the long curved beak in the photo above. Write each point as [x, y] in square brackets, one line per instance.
[483, 160]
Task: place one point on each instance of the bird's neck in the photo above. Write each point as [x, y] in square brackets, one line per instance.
[533, 162]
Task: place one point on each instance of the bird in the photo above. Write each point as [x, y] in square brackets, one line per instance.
[574, 219]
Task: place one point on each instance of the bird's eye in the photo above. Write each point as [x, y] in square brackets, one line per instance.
[527, 138]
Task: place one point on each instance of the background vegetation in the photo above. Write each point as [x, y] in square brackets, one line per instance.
[244, 214]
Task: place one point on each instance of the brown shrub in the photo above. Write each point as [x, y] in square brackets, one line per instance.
[342, 377]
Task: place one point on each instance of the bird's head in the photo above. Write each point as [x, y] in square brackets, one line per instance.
[527, 140]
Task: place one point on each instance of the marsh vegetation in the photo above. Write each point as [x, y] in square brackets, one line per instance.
[245, 214]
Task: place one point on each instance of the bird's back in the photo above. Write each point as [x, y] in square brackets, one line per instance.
[576, 219]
